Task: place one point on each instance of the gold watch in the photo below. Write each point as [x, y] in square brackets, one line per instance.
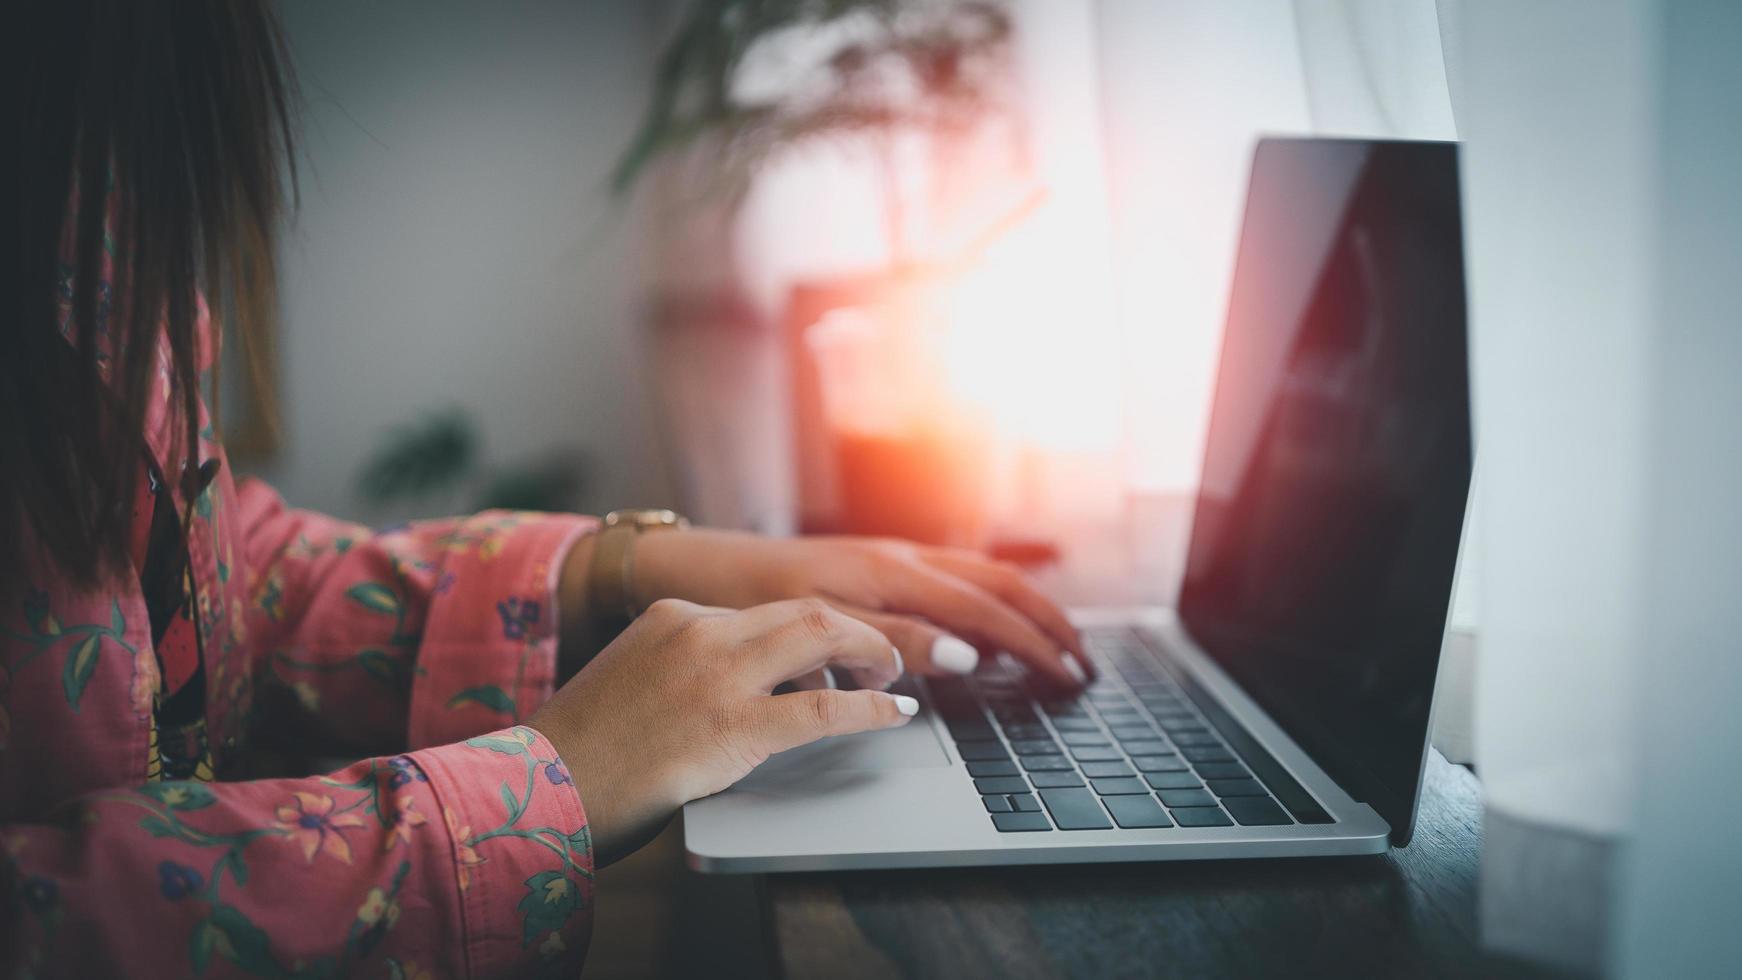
[611, 576]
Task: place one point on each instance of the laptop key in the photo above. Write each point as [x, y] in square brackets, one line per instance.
[970, 730]
[1001, 767]
[1027, 731]
[1135, 812]
[1001, 784]
[1011, 823]
[1129, 786]
[1076, 724]
[1083, 738]
[1256, 811]
[997, 804]
[1094, 753]
[1237, 787]
[1024, 803]
[1167, 762]
[1075, 809]
[1173, 780]
[981, 751]
[1222, 770]
[1206, 753]
[1035, 746]
[1129, 732]
[1146, 747]
[1195, 738]
[1175, 798]
[1199, 816]
[1054, 780]
[1103, 769]
[1046, 763]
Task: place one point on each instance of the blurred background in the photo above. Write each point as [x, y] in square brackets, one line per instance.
[942, 268]
[956, 270]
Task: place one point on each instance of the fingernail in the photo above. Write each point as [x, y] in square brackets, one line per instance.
[1075, 669]
[906, 705]
[900, 668]
[829, 680]
[954, 655]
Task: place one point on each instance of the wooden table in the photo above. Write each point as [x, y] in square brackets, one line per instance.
[1408, 913]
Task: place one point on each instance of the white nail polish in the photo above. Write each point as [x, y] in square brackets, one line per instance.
[1075, 669]
[900, 667]
[954, 655]
[906, 705]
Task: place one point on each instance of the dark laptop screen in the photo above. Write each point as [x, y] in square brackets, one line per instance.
[1327, 525]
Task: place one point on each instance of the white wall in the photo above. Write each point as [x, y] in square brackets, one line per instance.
[457, 245]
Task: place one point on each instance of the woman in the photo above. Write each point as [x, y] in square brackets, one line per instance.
[164, 625]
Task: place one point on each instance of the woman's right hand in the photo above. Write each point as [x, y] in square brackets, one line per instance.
[681, 705]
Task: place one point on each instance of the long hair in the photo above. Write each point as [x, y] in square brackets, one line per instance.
[154, 139]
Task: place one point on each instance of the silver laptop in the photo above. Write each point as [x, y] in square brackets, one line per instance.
[1284, 707]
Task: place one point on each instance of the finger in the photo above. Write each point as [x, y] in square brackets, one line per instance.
[797, 636]
[924, 648]
[1015, 588]
[816, 680]
[787, 721]
[964, 608]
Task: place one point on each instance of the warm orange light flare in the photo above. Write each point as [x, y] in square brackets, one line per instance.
[1029, 339]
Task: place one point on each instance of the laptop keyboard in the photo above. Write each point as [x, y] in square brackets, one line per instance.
[1133, 752]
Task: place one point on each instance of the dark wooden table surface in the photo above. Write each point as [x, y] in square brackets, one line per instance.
[1408, 913]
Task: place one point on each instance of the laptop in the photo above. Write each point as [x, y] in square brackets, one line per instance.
[1283, 707]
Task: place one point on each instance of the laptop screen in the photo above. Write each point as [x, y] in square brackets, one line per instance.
[1326, 531]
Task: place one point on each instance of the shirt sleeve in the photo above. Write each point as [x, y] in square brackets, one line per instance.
[470, 859]
[423, 634]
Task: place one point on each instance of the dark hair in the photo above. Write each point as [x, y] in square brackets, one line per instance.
[155, 134]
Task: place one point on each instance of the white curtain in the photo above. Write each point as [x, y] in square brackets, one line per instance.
[1603, 230]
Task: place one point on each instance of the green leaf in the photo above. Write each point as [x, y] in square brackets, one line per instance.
[238, 870]
[551, 898]
[511, 803]
[157, 827]
[242, 942]
[581, 840]
[506, 746]
[489, 695]
[377, 664]
[200, 944]
[81, 663]
[181, 794]
[374, 597]
[117, 623]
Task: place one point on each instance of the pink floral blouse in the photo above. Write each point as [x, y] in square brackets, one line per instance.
[461, 850]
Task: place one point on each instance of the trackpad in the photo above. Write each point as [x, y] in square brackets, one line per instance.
[912, 746]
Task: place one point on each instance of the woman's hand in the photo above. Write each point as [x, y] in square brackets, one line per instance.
[934, 604]
[680, 706]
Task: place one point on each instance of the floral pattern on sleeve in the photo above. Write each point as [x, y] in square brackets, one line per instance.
[343, 875]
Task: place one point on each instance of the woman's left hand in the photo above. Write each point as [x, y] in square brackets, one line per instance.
[934, 604]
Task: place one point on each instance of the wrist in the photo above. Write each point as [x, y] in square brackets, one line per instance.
[577, 640]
